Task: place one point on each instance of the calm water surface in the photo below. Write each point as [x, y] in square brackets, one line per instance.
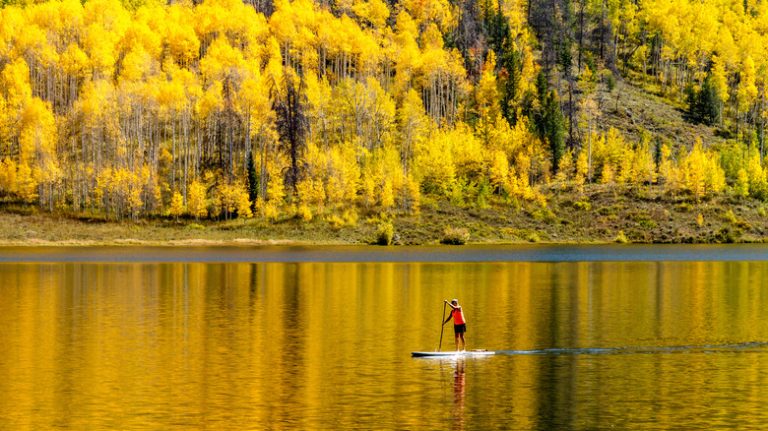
[622, 341]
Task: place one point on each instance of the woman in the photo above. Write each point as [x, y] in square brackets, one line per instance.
[459, 323]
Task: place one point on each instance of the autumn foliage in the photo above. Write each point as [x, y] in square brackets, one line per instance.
[136, 109]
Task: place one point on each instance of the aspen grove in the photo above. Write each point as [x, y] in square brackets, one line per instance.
[224, 109]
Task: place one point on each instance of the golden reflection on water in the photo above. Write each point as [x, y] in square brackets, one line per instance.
[327, 346]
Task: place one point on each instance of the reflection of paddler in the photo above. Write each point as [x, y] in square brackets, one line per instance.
[458, 381]
[458, 395]
[459, 323]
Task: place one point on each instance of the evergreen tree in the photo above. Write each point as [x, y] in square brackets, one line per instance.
[548, 120]
[511, 70]
[253, 181]
[554, 128]
[709, 102]
[704, 104]
[292, 126]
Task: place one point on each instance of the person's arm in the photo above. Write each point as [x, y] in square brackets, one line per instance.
[450, 315]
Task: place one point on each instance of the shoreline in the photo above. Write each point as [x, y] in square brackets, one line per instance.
[354, 254]
[602, 216]
[246, 242]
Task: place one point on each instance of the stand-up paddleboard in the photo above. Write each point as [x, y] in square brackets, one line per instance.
[453, 354]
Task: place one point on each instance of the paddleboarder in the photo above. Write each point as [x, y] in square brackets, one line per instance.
[459, 323]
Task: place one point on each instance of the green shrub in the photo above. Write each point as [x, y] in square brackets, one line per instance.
[727, 236]
[582, 205]
[611, 210]
[533, 237]
[455, 236]
[645, 221]
[385, 234]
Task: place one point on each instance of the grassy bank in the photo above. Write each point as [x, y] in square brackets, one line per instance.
[597, 215]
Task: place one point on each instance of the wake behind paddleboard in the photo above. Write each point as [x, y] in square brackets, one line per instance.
[453, 354]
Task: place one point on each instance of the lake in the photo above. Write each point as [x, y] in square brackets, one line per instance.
[235, 338]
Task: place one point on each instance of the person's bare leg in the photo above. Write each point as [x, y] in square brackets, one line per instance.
[463, 343]
[456, 336]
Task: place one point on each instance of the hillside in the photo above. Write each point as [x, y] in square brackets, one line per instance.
[551, 121]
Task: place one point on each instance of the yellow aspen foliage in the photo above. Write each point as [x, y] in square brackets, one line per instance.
[105, 22]
[151, 192]
[26, 183]
[665, 161]
[368, 191]
[719, 78]
[582, 168]
[211, 101]
[715, 175]
[269, 210]
[411, 196]
[747, 91]
[197, 200]
[242, 202]
[413, 123]
[8, 176]
[387, 195]
[469, 155]
[613, 154]
[37, 137]
[136, 64]
[231, 198]
[408, 55]
[758, 186]
[177, 205]
[334, 191]
[741, 187]
[607, 176]
[304, 212]
[15, 83]
[275, 185]
[565, 172]
[183, 43]
[499, 173]
[626, 164]
[373, 12]
[135, 201]
[643, 166]
[7, 121]
[74, 61]
[434, 162]
[487, 99]
[346, 171]
[273, 72]
[214, 203]
[221, 61]
[224, 198]
[523, 170]
[699, 172]
[125, 105]
[311, 192]
[101, 191]
[693, 172]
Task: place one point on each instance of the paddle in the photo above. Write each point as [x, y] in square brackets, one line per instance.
[442, 321]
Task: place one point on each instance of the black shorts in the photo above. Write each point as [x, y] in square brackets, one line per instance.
[460, 329]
